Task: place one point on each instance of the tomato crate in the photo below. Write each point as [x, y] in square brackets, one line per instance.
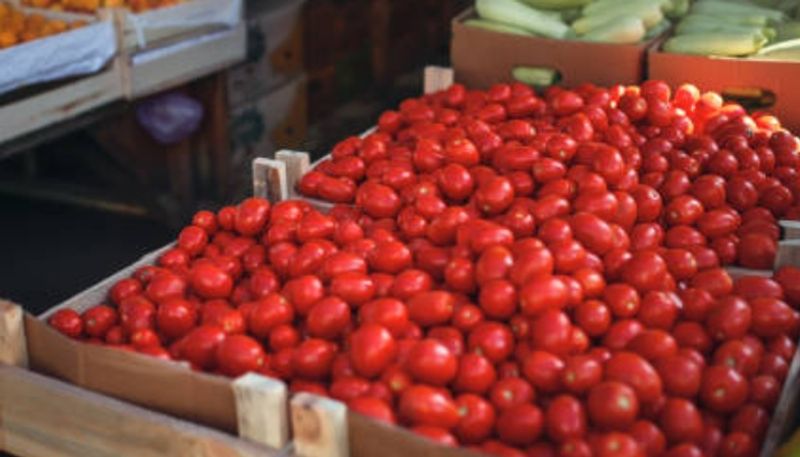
[53, 406]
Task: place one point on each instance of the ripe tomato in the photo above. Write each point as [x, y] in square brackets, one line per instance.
[520, 425]
[251, 216]
[543, 370]
[432, 363]
[723, 389]
[612, 405]
[200, 345]
[372, 349]
[97, 321]
[634, 370]
[373, 407]
[328, 318]
[492, 340]
[239, 354]
[593, 317]
[542, 293]
[176, 317]
[477, 418]
[729, 318]
[425, 405]
[681, 421]
[565, 418]
[649, 437]
[581, 373]
[210, 281]
[680, 375]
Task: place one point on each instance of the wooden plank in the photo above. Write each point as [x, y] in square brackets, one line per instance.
[437, 78]
[269, 179]
[297, 164]
[788, 253]
[40, 416]
[162, 68]
[61, 103]
[320, 426]
[783, 418]
[791, 229]
[261, 410]
[738, 272]
[13, 346]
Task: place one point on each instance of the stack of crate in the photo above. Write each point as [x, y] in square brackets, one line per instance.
[267, 96]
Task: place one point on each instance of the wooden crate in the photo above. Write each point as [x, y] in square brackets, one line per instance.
[160, 68]
[60, 102]
[40, 415]
[154, 28]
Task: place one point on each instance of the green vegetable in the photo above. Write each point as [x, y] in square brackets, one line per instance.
[660, 28]
[604, 5]
[649, 13]
[557, 4]
[622, 29]
[788, 31]
[688, 28]
[716, 44]
[718, 7]
[785, 50]
[516, 14]
[496, 27]
[678, 8]
[535, 76]
[728, 19]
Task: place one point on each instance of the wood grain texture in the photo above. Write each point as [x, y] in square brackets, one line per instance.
[320, 426]
[13, 346]
[40, 416]
[261, 410]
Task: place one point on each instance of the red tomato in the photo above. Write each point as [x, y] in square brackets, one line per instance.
[313, 358]
[176, 317]
[372, 349]
[424, 405]
[681, 421]
[729, 318]
[723, 389]
[477, 418]
[373, 407]
[97, 321]
[649, 437]
[632, 369]
[565, 418]
[199, 346]
[328, 318]
[475, 374]
[268, 313]
[612, 405]
[520, 425]
[239, 354]
[593, 317]
[492, 340]
[738, 444]
[581, 373]
[431, 308]
[680, 375]
[645, 271]
[542, 293]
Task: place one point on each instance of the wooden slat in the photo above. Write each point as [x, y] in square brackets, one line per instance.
[162, 68]
[791, 229]
[297, 164]
[61, 103]
[261, 410]
[40, 416]
[269, 179]
[13, 348]
[320, 426]
[437, 78]
[788, 253]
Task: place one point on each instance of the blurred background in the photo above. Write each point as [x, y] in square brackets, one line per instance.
[84, 198]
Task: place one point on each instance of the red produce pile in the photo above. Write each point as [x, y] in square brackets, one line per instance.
[526, 276]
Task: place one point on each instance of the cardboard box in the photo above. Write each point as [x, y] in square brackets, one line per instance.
[274, 50]
[482, 57]
[258, 129]
[722, 74]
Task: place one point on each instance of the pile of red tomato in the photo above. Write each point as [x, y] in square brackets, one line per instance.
[525, 276]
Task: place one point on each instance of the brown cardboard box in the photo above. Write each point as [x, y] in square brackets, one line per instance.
[482, 57]
[721, 74]
[274, 49]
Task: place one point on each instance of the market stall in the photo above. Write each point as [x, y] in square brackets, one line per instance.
[581, 239]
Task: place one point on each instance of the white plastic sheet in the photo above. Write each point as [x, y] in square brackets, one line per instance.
[77, 52]
[194, 13]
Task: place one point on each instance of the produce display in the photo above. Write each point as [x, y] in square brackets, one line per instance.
[739, 29]
[89, 6]
[523, 275]
[18, 27]
[610, 21]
